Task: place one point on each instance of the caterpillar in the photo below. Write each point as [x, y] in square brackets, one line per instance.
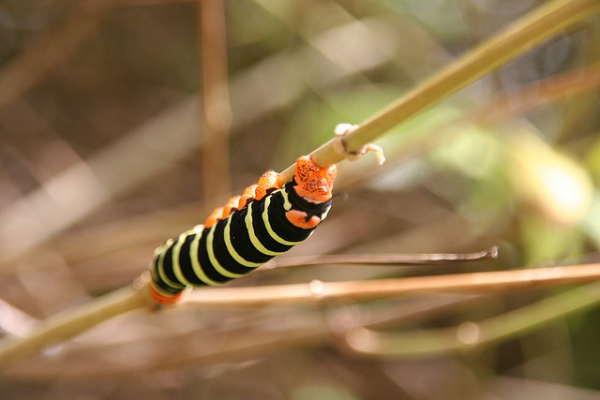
[268, 219]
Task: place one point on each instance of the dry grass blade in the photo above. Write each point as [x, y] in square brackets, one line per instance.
[381, 259]
[317, 291]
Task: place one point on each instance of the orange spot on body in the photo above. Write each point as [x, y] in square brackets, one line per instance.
[266, 184]
[248, 195]
[232, 203]
[298, 218]
[214, 217]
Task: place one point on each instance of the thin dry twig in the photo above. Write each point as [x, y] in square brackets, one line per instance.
[318, 291]
[381, 259]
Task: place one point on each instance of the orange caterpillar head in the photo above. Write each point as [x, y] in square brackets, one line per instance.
[314, 183]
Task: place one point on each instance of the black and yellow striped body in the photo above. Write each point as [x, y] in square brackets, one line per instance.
[234, 246]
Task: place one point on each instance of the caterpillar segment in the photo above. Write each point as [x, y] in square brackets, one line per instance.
[268, 219]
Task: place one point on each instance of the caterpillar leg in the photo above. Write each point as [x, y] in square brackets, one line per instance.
[342, 130]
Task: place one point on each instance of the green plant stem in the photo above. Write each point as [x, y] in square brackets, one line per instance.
[515, 40]
[70, 323]
[471, 335]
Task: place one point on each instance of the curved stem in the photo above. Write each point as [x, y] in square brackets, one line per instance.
[70, 323]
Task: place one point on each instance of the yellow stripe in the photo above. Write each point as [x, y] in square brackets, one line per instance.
[196, 267]
[175, 260]
[161, 248]
[213, 259]
[287, 205]
[324, 214]
[255, 241]
[265, 217]
[234, 254]
[177, 251]
[160, 266]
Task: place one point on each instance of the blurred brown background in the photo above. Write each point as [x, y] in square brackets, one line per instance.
[101, 159]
